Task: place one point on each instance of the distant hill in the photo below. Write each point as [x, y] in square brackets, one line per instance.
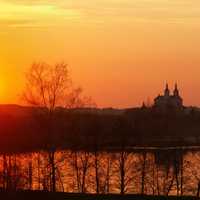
[15, 110]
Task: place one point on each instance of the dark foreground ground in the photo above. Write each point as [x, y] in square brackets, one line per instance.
[66, 196]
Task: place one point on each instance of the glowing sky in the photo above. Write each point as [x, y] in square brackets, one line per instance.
[120, 52]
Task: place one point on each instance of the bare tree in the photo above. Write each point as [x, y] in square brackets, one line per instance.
[192, 169]
[143, 159]
[80, 162]
[50, 87]
[76, 99]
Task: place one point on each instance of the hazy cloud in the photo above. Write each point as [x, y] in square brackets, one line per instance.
[55, 12]
[12, 14]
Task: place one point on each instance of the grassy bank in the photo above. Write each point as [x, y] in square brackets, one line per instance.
[36, 195]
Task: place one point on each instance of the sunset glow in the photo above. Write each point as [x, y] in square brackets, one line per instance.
[100, 99]
[120, 52]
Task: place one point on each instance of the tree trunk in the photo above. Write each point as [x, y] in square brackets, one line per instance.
[30, 174]
[198, 189]
[144, 155]
[97, 172]
[53, 170]
[122, 173]
[9, 180]
[182, 163]
[5, 170]
[38, 170]
[108, 176]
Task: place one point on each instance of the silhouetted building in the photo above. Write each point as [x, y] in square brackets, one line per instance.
[169, 101]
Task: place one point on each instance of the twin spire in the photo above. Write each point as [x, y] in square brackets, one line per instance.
[167, 91]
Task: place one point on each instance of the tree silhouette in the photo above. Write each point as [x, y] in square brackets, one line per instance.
[50, 87]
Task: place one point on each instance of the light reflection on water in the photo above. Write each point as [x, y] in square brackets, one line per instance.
[104, 172]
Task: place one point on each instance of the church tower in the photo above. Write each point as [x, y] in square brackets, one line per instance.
[169, 101]
[167, 92]
[176, 92]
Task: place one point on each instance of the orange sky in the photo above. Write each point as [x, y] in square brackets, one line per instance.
[120, 52]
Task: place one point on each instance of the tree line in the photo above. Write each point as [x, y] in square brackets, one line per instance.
[103, 172]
